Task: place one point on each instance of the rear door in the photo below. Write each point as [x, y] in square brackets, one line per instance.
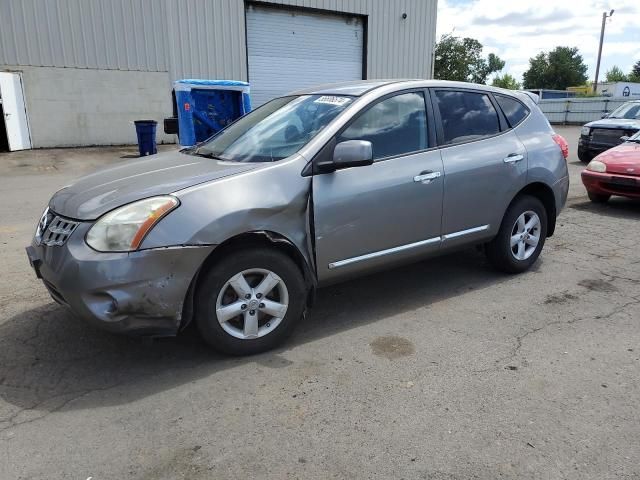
[485, 164]
[386, 212]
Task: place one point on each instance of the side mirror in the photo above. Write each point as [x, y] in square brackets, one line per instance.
[352, 153]
[606, 115]
[624, 138]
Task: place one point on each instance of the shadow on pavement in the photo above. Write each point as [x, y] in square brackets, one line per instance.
[48, 357]
[618, 207]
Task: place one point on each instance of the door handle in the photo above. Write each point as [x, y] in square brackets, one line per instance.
[513, 158]
[426, 177]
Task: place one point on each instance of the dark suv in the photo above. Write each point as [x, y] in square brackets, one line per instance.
[601, 135]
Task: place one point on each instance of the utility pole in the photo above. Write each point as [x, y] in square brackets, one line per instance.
[605, 15]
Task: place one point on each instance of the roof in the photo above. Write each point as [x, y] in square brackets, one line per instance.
[360, 87]
[355, 88]
[188, 84]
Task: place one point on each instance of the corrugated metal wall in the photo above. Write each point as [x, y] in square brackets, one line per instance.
[397, 47]
[99, 34]
[194, 38]
[206, 39]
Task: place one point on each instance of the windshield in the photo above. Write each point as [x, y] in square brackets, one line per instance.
[276, 130]
[630, 111]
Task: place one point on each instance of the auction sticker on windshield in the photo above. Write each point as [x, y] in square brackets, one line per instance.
[331, 100]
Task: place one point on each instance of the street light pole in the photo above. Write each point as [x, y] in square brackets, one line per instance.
[605, 15]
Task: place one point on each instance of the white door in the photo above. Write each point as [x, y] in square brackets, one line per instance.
[15, 114]
[290, 50]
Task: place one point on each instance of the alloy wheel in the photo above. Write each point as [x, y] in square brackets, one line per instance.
[525, 235]
[252, 303]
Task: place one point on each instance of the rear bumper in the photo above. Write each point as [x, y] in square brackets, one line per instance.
[561, 192]
[138, 293]
[611, 184]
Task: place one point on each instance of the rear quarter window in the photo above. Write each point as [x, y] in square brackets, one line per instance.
[512, 109]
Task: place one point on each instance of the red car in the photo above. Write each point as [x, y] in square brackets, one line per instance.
[614, 172]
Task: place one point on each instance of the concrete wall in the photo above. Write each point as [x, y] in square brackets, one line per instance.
[71, 106]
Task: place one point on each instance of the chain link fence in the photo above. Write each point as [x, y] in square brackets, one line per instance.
[578, 111]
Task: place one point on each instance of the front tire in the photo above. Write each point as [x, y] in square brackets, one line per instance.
[250, 301]
[584, 156]
[521, 236]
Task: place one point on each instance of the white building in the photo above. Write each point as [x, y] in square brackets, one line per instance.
[78, 72]
[619, 89]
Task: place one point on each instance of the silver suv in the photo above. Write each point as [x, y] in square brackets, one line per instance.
[313, 188]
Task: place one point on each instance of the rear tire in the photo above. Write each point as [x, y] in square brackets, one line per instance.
[255, 322]
[521, 236]
[598, 197]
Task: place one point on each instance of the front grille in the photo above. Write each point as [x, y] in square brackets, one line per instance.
[610, 136]
[54, 230]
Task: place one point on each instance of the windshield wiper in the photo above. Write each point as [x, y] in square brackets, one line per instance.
[209, 155]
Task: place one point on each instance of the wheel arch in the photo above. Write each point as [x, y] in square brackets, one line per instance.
[252, 239]
[544, 193]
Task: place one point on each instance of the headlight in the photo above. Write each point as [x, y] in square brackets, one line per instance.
[597, 166]
[123, 229]
[585, 131]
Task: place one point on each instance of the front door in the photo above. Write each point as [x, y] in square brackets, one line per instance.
[14, 112]
[388, 211]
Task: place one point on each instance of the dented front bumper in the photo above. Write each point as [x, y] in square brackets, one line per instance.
[139, 293]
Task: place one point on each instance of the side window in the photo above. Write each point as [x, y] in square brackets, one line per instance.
[395, 126]
[512, 109]
[466, 115]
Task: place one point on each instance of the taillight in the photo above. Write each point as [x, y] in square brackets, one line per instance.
[562, 143]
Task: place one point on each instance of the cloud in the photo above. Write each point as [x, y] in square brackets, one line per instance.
[521, 18]
[519, 30]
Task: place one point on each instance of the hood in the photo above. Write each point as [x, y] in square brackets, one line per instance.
[126, 182]
[625, 123]
[624, 159]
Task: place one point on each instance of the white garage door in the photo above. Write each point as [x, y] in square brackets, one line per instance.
[290, 50]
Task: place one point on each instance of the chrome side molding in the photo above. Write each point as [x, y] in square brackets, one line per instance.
[461, 233]
[402, 248]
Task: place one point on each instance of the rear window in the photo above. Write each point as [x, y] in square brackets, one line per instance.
[466, 115]
[512, 109]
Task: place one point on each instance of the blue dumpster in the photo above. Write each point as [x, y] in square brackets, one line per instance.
[146, 132]
[207, 106]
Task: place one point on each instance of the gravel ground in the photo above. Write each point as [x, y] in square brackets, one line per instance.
[441, 370]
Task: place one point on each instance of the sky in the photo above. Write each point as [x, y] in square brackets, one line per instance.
[517, 30]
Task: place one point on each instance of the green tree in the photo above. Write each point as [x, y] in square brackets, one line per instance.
[461, 59]
[615, 74]
[506, 81]
[558, 69]
[634, 76]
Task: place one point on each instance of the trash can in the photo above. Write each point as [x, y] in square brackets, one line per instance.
[207, 106]
[146, 132]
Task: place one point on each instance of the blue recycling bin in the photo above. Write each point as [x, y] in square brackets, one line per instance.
[207, 106]
[146, 132]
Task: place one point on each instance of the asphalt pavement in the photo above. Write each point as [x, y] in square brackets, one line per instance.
[444, 369]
